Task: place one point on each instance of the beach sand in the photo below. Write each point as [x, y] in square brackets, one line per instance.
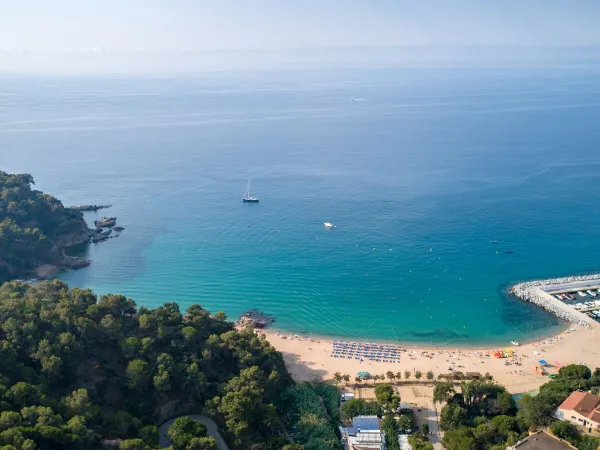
[309, 358]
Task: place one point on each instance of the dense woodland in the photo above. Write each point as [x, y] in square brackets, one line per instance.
[77, 371]
[482, 415]
[31, 223]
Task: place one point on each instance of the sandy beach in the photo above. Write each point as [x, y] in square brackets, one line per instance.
[310, 358]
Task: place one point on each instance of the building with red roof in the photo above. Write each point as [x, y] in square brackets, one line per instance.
[580, 408]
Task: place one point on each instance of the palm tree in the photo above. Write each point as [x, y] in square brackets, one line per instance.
[418, 374]
[430, 375]
[406, 374]
[398, 376]
[357, 380]
[382, 377]
[346, 378]
[390, 375]
[337, 377]
[375, 378]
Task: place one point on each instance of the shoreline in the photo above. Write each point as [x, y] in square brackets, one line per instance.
[523, 339]
[311, 358]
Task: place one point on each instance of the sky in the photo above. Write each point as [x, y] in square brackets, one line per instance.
[169, 26]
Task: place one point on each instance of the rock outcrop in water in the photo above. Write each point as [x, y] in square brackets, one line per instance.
[106, 222]
[255, 319]
[89, 207]
[530, 292]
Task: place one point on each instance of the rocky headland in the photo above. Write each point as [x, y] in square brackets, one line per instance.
[36, 230]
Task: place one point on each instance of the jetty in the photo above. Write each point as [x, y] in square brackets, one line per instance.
[540, 293]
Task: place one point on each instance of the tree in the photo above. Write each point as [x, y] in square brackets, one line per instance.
[574, 372]
[536, 411]
[391, 376]
[425, 429]
[149, 434]
[459, 439]
[202, 443]
[337, 377]
[390, 429]
[133, 444]
[430, 375]
[23, 394]
[138, 374]
[405, 423]
[242, 404]
[564, 430]
[183, 430]
[78, 403]
[9, 419]
[504, 425]
[359, 407]
[418, 374]
[347, 379]
[453, 416]
[406, 374]
[442, 392]
[398, 376]
[386, 395]
[419, 442]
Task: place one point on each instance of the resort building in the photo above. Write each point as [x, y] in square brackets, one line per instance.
[541, 440]
[580, 408]
[364, 434]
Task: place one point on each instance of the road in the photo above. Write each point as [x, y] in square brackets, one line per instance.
[211, 429]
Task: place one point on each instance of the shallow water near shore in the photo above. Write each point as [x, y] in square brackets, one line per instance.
[418, 169]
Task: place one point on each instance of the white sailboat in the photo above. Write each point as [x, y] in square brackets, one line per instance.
[248, 197]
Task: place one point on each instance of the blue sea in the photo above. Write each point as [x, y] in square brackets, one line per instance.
[419, 169]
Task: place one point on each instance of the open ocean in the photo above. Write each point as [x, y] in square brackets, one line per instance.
[419, 173]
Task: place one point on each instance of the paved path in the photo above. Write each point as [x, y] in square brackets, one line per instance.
[211, 429]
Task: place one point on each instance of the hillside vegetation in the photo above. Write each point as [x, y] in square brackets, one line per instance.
[77, 371]
[34, 227]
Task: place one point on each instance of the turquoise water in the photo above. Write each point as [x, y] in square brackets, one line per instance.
[418, 176]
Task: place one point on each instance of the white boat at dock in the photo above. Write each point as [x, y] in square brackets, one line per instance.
[581, 294]
[592, 294]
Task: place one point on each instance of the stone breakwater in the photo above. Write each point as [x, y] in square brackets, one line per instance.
[530, 291]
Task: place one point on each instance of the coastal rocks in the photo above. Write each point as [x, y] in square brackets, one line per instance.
[89, 207]
[255, 319]
[530, 291]
[101, 235]
[78, 235]
[106, 222]
[47, 271]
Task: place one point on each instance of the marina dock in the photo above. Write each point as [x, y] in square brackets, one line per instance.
[544, 293]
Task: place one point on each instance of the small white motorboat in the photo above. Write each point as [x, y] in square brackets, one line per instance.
[328, 225]
[515, 343]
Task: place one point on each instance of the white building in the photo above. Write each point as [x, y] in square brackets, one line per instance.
[364, 434]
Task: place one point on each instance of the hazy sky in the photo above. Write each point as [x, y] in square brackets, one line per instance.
[59, 25]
